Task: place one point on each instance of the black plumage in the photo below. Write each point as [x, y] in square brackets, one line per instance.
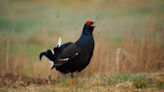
[71, 57]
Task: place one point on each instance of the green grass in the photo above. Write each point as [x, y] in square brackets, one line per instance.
[140, 80]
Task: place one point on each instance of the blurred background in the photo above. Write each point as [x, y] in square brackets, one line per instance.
[129, 34]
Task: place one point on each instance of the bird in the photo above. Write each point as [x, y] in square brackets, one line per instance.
[72, 57]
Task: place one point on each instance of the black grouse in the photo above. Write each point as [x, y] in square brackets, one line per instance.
[73, 57]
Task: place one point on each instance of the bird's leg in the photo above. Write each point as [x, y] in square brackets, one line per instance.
[65, 76]
[76, 73]
[72, 75]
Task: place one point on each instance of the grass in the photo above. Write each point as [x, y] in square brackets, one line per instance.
[119, 82]
[139, 80]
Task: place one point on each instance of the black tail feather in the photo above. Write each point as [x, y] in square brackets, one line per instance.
[41, 55]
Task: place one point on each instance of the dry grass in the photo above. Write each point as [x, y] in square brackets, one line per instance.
[149, 82]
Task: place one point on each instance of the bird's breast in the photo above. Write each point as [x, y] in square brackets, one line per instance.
[86, 43]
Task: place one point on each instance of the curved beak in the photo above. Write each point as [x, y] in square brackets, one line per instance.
[41, 55]
[92, 24]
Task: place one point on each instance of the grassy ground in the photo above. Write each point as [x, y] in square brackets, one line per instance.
[129, 38]
[126, 82]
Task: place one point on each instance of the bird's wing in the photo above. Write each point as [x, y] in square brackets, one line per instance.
[69, 53]
[60, 49]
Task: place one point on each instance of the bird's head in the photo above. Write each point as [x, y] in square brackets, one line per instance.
[88, 27]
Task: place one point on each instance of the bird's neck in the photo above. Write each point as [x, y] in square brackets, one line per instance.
[86, 41]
